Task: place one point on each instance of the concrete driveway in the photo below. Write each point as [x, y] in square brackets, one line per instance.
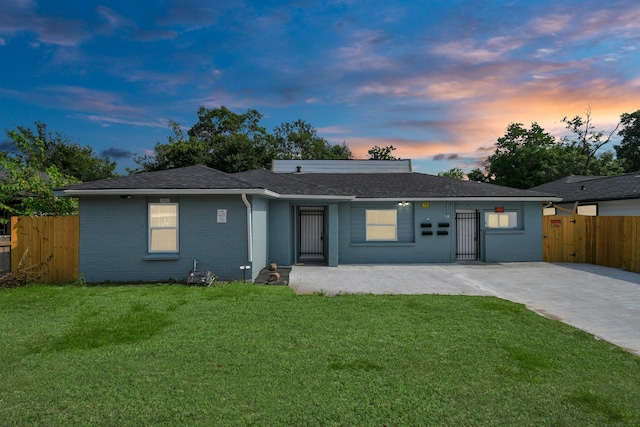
[602, 301]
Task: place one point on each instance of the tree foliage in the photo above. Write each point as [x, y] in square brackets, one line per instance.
[455, 173]
[233, 142]
[587, 141]
[628, 152]
[29, 173]
[382, 153]
[41, 149]
[300, 141]
[524, 158]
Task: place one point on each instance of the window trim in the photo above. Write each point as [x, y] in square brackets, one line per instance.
[369, 226]
[152, 228]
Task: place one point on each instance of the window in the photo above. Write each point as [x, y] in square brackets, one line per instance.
[163, 227]
[588, 210]
[501, 220]
[381, 224]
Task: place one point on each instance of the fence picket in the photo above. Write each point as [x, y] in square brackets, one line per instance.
[47, 244]
[609, 241]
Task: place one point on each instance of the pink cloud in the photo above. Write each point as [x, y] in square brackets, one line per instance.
[77, 98]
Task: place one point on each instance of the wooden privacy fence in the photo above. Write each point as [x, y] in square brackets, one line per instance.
[610, 241]
[47, 244]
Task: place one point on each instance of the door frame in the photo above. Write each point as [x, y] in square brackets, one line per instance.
[467, 235]
[318, 213]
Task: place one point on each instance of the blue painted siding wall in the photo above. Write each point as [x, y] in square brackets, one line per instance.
[521, 244]
[513, 245]
[114, 238]
[281, 229]
[411, 246]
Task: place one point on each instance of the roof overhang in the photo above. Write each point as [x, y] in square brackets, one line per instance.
[166, 192]
[315, 197]
[274, 195]
[459, 199]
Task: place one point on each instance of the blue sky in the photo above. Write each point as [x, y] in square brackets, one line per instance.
[439, 80]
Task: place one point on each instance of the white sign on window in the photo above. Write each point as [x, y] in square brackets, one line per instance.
[222, 216]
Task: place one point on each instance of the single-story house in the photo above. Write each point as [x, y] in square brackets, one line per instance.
[155, 225]
[617, 195]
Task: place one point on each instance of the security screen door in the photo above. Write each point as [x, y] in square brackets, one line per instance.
[468, 243]
[311, 246]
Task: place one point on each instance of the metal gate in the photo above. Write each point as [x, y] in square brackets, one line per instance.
[468, 243]
[311, 246]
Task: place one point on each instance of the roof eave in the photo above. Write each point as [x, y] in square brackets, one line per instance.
[166, 191]
[316, 197]
[459, 199]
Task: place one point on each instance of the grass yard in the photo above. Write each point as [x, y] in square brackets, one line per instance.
[244, 354]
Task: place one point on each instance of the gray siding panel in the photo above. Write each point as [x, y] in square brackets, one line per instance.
[113, 239]
[405, 221]
[522, 244]
[281, 226]
[260, 225]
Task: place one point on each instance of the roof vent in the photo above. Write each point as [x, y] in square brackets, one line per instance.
[582, 187]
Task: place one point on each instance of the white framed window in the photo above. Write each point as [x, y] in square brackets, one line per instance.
[381, 224]
[588, 210]
[501, 219]
[163, 227]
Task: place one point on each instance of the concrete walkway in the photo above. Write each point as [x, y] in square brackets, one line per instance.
[602, 301]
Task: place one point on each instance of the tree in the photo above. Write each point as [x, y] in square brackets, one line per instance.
[233, 142]
[477, 175]
[179, 151]
[628, 152]
[382, 153]
[220, 139]
[27, 183]
[300, 141]
[455, 173]
[587, 141]
[41, 149]
[524, 158]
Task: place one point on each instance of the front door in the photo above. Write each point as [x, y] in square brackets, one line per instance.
[311, 246]
[468, 243]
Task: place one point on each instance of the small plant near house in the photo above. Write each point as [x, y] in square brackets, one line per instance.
[23, 275]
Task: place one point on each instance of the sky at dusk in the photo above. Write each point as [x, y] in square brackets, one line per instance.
[439, 80]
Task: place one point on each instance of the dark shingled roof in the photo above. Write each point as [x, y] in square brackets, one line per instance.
[360, 185]
[594, 188]
[287, 184]
[411, 185]
[190, 177]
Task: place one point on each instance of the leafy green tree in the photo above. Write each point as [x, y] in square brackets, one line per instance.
[524, 158]
[27, 185]
[41, 149]
[477, 175]
[179, 151]
[628, 152]
[455, 173]
[382, 153]
[300, 141]
[233, 142]
[587, 141]
[220, 139]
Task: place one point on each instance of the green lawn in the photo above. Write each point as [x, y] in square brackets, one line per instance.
[258, 355]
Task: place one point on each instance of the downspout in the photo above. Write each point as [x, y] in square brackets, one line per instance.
[249, 230]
